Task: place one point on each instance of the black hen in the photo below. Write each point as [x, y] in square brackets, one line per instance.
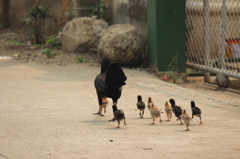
[118, 115]
[109, 82]
[177, 110]
[196, 111]
[140, 105]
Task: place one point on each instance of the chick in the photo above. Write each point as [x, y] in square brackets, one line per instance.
[177, 110]
[140, 105]
[118, 115]
[150, 103]
[186, 119]
[196, 111]
[154, 111]
[168, 111]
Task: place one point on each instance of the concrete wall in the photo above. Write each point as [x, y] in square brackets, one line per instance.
[129, 11]
[4, 13]
[119, 12]
[18, 12]
[80, 8]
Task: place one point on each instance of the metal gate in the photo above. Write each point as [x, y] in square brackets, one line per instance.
[213, 36]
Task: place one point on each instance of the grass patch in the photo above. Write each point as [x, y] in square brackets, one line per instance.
[49, 52]
[81, 60]
[13, 42]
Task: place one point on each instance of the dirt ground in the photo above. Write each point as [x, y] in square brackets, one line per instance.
[26, 53]
[46, 112]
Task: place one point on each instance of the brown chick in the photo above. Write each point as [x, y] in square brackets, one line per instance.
[168, 111]
[154, 111]
[186, 119]
[150, 104]
[118, 115]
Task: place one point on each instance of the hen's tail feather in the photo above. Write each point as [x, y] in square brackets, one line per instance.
[115, 76]
[105, 65]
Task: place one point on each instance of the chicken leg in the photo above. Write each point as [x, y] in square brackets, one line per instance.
[169, 117]
[114, 103]
[153, 121]
[118, 124]
[201, 123]
[99, 111]
[100, 107]
[180, 121]
[160, 121]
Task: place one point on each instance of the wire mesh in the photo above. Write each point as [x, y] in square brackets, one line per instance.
[213, 35]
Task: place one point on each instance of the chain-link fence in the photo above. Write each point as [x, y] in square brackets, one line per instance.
[213, 36]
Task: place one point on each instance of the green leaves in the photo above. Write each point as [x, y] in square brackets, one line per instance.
[53, 40]
[49, 52]
[98, 10]
[38, 15]
[39, 12]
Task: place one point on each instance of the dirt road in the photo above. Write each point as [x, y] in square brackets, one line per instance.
[46, 112]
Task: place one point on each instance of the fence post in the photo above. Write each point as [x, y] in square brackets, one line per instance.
[206, 39]
[223, 36]
[167, 34]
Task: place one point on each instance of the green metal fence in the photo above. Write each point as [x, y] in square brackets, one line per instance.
[166, 34]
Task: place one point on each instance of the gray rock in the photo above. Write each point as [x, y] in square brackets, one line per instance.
[122, 44]
[81, 34]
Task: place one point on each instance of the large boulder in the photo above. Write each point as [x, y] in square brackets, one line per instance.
[122, 44]
[81, 34]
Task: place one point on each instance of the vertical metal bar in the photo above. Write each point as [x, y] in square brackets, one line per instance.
[223, 35]
[206, 39]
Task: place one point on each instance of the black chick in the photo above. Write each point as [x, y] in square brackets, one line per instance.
[196, 111]
[177, 110]
[118, 115]
[140, 105]
[109, 82]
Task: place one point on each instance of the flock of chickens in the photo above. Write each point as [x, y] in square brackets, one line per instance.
[180, 113]
[109, 84]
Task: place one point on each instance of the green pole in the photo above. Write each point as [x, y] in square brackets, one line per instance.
[167, 34]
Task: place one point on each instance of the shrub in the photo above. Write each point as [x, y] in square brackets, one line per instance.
[36, 21]
[99, 10]
[53, 40]
[49, 52]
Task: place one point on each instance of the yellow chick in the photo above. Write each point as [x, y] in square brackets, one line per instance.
[186, 119]
[168, 111]
[154, 111]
